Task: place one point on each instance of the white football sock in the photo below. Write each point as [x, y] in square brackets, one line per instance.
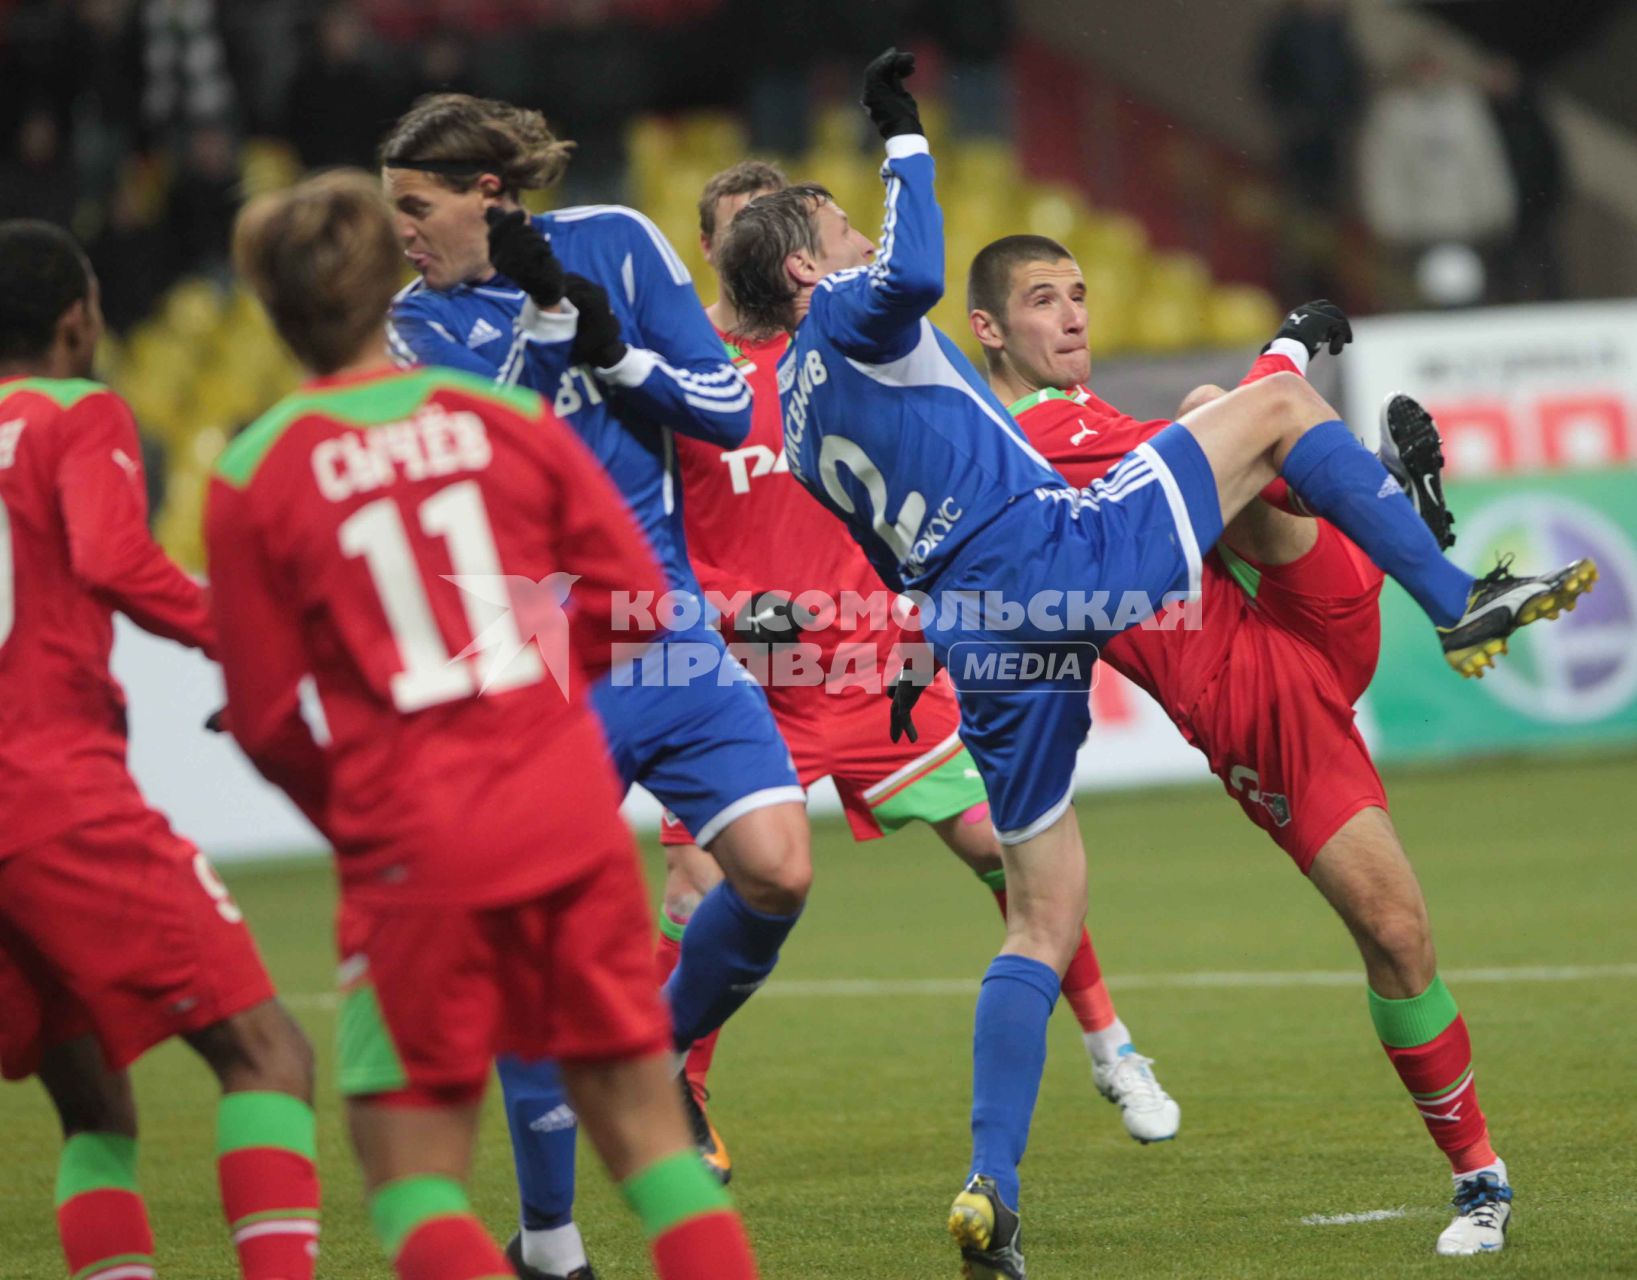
[1498, 1168]
[1104, 1046]
[555, 1250]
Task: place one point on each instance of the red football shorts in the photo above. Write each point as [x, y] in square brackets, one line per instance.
[882, 784]
[1277, 721]
[118, 929]
[431, 995]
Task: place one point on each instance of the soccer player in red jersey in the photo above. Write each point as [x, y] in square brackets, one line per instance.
[828, 706]
[115, 934]
[1263, 679]
[442, 558]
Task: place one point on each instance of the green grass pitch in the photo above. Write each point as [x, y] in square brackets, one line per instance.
[846, 1113]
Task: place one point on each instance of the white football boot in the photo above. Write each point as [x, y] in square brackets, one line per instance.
[1150, 1113]
[1483, 1207]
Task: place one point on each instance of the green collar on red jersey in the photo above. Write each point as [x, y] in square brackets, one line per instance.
[372, 403]
[1030, 401]
[65, 393]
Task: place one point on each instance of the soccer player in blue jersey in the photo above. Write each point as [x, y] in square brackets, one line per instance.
[593, 308]
[893, 430]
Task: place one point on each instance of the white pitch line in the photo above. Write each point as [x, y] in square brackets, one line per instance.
[1348, 1219]
[851, 988]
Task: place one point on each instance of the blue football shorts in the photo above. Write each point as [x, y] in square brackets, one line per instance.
[1018, 616]
[689, 723]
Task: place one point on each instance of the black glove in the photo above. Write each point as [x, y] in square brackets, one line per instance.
[597, 336]
[216, 721]
[1316, 324]
[891, 106]
[770, 617]
[524, 256]
[905, 692]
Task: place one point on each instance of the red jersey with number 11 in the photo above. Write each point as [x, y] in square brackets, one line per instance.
[441, 557]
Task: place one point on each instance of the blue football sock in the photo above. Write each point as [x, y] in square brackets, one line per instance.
[542, 1127]
[728, 950]
[1008, 1055]
[1341, 480]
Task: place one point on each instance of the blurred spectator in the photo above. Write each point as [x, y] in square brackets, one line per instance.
[1527, 266]
[134, 256]
[976, 36]
[339, 106]
[36, 174]
[204, 198]
[1312, 81]
[186, 79]
[1432, 168]
[105, 51]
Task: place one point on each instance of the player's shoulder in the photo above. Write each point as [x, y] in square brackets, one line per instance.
[618, 226]
[64, 393]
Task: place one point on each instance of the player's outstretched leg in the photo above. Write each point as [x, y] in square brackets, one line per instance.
[547, 1245]
[1121, 1074]
[1281, 424]
[732, 942]
[101, 1218]
[1363, 873]
[630, 1112]
[266, 1140]
[691, 873]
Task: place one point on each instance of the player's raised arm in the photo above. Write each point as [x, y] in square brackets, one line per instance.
[263, 662]
[683, 377]
[103, 498]
[875, 311]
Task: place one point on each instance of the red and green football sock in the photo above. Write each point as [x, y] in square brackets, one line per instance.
[265, 1149]
[425, 1224]
[100, 1215]
[667, 953]
[1083, 988]
[692, 1228]
[1426, 1038]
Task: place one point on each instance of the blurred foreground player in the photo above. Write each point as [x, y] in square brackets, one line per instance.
[894, 431]
[757, 539]
[115, 934]
[1287, 639]
[593, 308]
[442, 559]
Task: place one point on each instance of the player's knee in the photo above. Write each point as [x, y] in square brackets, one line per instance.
[1397, 939]
[778, 884]
[1200, 395]
[1289, 400]
[261, 1049]
[109, 1107]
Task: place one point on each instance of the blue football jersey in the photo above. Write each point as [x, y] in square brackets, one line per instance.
[675, 377]
[885, 421]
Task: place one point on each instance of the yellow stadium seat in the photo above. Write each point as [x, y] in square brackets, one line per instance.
[267, 164]
[713, 139]
[1241, 315]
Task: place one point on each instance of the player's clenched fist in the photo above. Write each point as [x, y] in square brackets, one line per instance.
[1317, 325]
[597, 339]
[891, 106]
[524, 256]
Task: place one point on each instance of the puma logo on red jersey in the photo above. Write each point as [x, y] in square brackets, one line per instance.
[1085, 433]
